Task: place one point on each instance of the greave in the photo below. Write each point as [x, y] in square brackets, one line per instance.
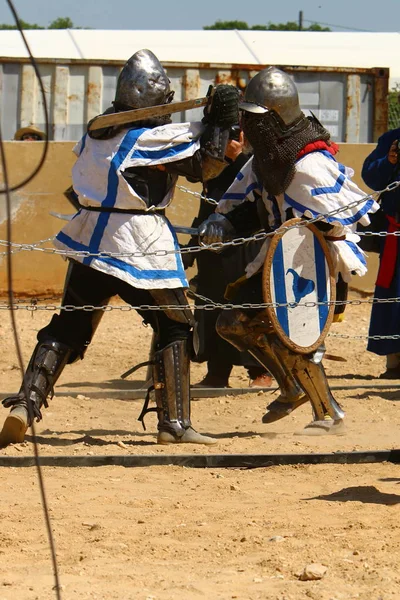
[299, 377]
[171, 376]
[45, 366]
[254, 334]
[311, 378]
[290, 390]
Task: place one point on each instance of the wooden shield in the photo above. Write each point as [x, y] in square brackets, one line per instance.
[298, 274]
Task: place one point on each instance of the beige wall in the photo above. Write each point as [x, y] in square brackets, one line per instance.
[37, 273]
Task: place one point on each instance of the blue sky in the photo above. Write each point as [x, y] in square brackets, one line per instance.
[193, 14]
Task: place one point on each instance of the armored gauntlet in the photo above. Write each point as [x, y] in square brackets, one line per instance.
[215, 229]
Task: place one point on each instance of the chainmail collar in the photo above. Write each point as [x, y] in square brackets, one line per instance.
[275, 152]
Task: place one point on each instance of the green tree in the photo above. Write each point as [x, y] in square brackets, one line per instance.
[23, 24]
[61, 23]
[394, 107]
[289, 26]
[317, 27]
[228, 25]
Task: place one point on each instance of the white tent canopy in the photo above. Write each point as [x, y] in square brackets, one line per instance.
[314, 49]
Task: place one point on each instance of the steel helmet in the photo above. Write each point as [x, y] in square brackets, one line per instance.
[142, 82]
[272, 90]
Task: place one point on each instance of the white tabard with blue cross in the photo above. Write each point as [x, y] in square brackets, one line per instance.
[299, 281]
[320, 186]
[141, 249]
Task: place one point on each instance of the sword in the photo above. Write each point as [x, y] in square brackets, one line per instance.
[61, 216]
[139, 114]
[335, 357]
[186, 230]
[177, 228]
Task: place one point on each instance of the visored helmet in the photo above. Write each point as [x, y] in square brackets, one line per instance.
[272, 90]
[142, 82]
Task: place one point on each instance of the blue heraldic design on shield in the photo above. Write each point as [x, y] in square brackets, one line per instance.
[301, 286]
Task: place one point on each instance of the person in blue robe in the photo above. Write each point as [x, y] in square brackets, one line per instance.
[380, 168]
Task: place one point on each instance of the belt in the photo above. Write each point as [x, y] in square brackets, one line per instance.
[110, 209]
[332, 238]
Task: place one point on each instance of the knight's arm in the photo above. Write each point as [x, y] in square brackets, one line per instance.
[220, 114]
[245, 218]
[190, 167]
[242, 221]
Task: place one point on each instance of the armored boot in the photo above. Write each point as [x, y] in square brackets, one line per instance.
[255, 334]
[310, 376]
[45, 367]
[171, 376]
[328, 414]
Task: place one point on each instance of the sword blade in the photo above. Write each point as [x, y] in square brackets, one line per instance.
[62, 216]
[140, 114]
[187, 230]
[335, 357]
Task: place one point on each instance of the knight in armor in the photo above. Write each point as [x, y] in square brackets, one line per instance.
[293, 173]
[124, 178]
[214, 274]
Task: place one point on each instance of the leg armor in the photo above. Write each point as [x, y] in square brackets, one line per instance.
[252, 333]
[171, 384]
[175, 297]
[172, 388]
[310, 375]
[299, 377]
[45, 367]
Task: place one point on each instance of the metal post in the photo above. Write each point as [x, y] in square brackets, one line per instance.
[300, 20]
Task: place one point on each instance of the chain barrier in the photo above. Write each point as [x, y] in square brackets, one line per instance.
[378, 233]
[345, 336]
[262, 235]
[211, 305]
[33, 306]
[198, 195]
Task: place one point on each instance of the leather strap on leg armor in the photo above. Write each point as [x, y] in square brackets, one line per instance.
[45, 366]
[172, 388]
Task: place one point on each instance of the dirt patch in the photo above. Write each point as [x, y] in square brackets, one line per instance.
[162, 533]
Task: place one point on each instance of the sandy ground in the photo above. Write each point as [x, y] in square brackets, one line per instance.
[163, 533]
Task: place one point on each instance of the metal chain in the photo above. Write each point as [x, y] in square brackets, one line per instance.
[198, 195]
[378, 233]
[364, 337]
[32, 301]
[19, 247]
[262, 235]
[211, 305]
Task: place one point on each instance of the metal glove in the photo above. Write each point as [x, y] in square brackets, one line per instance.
[222, 109]
[216, 228]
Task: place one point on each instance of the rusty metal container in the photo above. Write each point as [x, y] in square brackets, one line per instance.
[80, 81]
